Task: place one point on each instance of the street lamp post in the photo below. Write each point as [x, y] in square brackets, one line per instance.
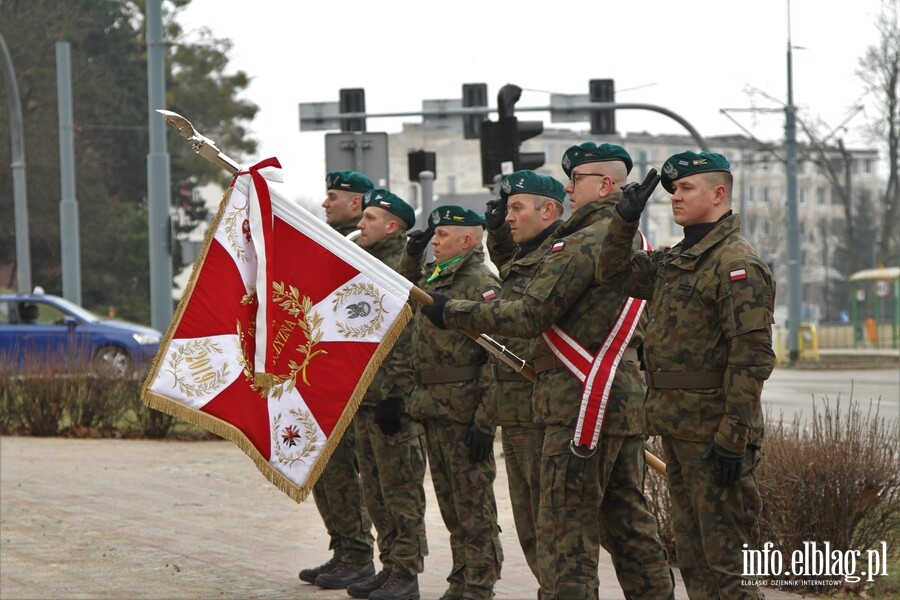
[20, 198]
[795, 285]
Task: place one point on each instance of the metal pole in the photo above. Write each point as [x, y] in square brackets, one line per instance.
[68, 205]
[357, 151]
[426, 181]
[158, 177]
[478, 110]
[795, 284]
[20, 197]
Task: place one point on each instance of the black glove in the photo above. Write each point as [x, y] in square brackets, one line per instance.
[635, 196]
[726, 464]
[387, 415]
[435, 312]
[480, 444]
[418, 241]
[495, 214]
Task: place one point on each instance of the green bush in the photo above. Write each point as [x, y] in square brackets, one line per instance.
[835, 478]
[40, 401]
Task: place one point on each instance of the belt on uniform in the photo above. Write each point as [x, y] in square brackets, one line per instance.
[695, 380]
[549, 362]
[500, 374]
[466, 373]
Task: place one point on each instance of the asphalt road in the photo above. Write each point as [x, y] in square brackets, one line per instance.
[790, 392]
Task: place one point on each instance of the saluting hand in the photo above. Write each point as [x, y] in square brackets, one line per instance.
[418, 240]
[635, 196]
[495, 214]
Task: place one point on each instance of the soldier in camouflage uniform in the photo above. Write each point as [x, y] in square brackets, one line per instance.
[343, 202]
[708, 349]
[589, 498]
[390, 445]
[519, 225]
[337, 493]
[450, 399]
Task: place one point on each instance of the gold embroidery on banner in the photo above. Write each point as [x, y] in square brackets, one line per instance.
[360, 309]
[290, 436]
[244, 357]
[204, 379]
[250, 296]
[237, 231]
[289, 300]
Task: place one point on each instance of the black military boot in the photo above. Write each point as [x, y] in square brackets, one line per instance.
[398, 587]
[342, 574]
[362, 589]
[309, 575]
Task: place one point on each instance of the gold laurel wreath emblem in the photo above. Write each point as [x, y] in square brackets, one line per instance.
[237, 226]
[355, 290]
[202, 378]
[289, 300]
[244, 356]
[290, 436]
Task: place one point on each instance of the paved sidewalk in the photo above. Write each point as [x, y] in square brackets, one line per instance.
[139, 519]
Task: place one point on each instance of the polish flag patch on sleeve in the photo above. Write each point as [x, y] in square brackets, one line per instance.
[558, 246]
[738, 274]
[489, 295]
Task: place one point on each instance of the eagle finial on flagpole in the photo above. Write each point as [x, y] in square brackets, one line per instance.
[201, 144]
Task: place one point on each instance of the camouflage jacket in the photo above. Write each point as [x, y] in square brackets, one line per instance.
[564, 291]
[436, 350]
[347, 227]
[711, 311]
[509, 400]
[389, 251]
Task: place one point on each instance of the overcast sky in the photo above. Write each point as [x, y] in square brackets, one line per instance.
[693, 58]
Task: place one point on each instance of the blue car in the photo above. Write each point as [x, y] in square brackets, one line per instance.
[45, 332]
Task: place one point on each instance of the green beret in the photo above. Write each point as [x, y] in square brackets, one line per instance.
[348, 181]
[391, 203]
[690, 163]
[454, 215]
[589, 152]
[529, 182]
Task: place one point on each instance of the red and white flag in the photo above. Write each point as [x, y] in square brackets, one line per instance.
[280, 331]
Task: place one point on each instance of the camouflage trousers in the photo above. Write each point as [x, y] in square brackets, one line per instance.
[392, 470]
[591, 502]
[712, 524]
[465, 496]
[339, 498]
[522, 453]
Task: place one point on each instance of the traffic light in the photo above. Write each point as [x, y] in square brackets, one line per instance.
[500, 147]
[500, 140]
[353, 100]
[525, 130]
[490, 151]
[474, 94]
[418, 161]
[603, 121]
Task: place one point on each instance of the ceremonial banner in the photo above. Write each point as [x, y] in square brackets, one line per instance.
[280, 331]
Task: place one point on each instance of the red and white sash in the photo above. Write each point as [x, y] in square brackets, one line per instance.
[596, 372]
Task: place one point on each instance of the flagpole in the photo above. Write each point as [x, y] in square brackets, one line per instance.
[206, 148]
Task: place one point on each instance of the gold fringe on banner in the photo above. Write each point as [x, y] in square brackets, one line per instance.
[228, 431]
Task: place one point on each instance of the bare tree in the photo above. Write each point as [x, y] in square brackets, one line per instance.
[879, 70]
